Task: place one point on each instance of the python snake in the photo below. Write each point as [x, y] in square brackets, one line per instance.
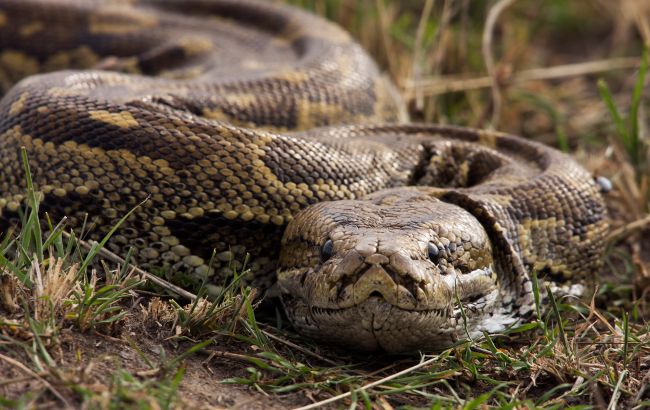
[249, 128]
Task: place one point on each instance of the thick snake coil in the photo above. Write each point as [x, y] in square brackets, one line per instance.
[229, 118]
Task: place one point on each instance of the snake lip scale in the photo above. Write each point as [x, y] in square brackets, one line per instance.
[253, 131]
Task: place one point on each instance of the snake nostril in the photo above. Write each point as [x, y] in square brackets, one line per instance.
[376, 293]
[410, 285]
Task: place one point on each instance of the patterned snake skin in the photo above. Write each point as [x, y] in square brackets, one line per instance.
[228, 117]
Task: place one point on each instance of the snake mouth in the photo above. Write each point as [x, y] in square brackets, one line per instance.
[374, 325]
[377, 323]
[377, 299]
[456, 310]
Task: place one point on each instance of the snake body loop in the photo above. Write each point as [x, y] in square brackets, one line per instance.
[248, 128]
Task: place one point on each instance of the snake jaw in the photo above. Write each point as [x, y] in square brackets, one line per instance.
[374, 325]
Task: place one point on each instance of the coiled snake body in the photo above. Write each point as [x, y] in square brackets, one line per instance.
[247, 128]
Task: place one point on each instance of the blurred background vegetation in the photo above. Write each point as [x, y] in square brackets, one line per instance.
[434, 52]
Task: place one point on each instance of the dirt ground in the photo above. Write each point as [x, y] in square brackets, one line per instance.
[91, 360]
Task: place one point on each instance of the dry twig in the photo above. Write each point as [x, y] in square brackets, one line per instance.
[369, 385]
[105, 253]
[618, 233]
[300, 348]
[488, 56]
[385, 38]
[447, 84]
[418, 51]
[37, 377]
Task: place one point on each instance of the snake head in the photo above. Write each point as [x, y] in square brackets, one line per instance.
[398, 270]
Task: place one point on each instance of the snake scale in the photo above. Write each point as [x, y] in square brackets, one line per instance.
[251, 128]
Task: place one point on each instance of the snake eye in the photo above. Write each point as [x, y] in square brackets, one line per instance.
[434, 253]
[327, 250]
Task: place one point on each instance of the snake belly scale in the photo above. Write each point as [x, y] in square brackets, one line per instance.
[251, 128]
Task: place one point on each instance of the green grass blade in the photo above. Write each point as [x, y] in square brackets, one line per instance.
[626, 337]
[607, 97]
[633, 148]
[97, 246]
[556, 312]
[538, 301]
[34, 223]
[19, 273]
[55, 234]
